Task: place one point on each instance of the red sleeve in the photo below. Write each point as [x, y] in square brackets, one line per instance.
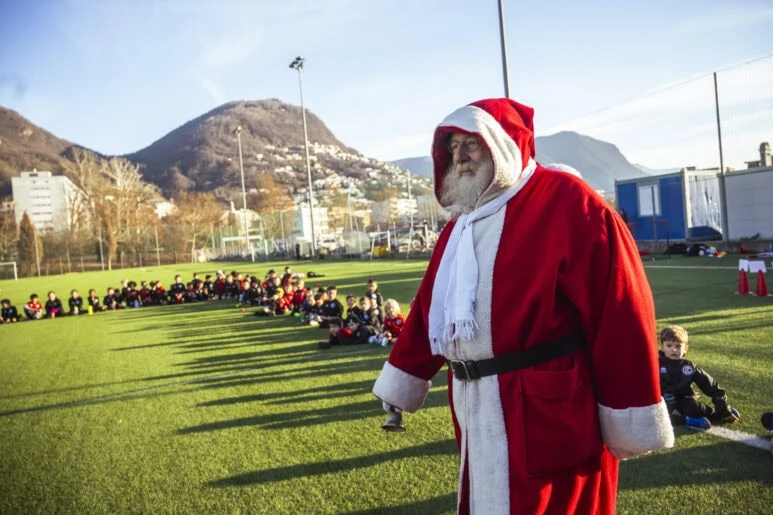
[608, 285]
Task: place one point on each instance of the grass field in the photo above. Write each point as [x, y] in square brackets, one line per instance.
[201, 408]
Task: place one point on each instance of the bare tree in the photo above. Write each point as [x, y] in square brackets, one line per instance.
[118, 201]
[271, 202]
[194, 217]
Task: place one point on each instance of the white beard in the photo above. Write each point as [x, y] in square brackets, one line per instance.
[460, 192]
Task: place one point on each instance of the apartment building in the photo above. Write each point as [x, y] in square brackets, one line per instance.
[49, 200]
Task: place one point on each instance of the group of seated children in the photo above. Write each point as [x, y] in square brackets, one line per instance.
[363, 322]
[247, 289]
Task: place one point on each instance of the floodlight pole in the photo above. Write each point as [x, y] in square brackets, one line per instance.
[238, 132]
[297, 64]
[504, 48]
[722, 185]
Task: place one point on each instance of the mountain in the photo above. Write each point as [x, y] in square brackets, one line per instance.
[203, 154]
[599, 162]
[25, 146]
[417, 165]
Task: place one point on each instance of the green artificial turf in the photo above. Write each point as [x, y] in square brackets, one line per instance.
[202, 408]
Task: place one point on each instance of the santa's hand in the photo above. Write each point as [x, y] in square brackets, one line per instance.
[622, 454]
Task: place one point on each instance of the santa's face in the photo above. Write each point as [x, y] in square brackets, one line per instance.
[469, 173]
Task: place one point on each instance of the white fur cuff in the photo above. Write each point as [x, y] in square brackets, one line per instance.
[637, 429]
[401, 389]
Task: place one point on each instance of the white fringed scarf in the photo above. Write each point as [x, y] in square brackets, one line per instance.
[452, 308]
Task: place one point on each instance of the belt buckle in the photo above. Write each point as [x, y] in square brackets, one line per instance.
[464, 370]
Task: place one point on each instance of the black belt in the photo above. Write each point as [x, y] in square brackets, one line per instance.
[468, 370]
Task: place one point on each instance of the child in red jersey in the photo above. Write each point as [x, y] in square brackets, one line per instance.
[393, 323]
[33, 309]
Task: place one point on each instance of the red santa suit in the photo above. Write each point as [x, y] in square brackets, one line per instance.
[551, 258]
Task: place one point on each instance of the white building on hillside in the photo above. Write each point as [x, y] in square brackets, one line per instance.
[51, 201]
[395, 210]
[302, 223]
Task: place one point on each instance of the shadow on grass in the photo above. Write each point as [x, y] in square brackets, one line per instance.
[301, 418]
[296, 418]
[332, 467]
[721, 462]
[305, 395]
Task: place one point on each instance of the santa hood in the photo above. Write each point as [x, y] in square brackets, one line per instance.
[505, 127]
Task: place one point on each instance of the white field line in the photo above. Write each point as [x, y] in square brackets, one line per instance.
[738, 437]
[681, 267]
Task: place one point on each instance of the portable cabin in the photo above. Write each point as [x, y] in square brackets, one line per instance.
[750, 203]
[683, 205]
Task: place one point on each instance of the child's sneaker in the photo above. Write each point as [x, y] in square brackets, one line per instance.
[697, 422]
[731, 416]
[677, 419]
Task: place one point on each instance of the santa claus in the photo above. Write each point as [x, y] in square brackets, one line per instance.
[536, 298]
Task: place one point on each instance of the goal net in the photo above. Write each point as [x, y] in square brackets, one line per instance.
[8, 271]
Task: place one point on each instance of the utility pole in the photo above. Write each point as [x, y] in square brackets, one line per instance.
[238, 132]
[297, 64]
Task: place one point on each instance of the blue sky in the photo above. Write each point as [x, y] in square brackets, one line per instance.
[117, 75]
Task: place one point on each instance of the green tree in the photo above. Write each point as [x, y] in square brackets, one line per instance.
[30, 250]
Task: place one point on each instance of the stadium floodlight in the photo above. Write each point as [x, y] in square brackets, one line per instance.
[297, 64]
[238, 132]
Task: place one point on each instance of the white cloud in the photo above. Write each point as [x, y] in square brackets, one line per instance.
[213, 90]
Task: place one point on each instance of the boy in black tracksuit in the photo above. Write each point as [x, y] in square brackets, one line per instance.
[676, 378]
[371, 317]
[374, 295]
[8, 312]
[177, 290]
[333, 309]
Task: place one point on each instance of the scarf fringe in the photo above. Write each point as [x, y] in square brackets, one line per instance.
[465, 329]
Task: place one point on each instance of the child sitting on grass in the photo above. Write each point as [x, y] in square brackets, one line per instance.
[75, 302]
[8, 313]
[33, 309]
[53, 306]
[393, 323]
[111, 300]
[676, 378]
[92, 301]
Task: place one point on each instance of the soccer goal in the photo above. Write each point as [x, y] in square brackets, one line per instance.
[8, 270]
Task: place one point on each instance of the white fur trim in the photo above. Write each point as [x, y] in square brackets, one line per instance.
[637, 430]
[560, 167]
[508, 163]
[401, 389]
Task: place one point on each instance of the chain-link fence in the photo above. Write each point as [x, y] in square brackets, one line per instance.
[718, 121]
